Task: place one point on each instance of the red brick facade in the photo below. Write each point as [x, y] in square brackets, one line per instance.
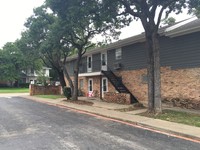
[120, 98]
[180, 83]
[45, 90]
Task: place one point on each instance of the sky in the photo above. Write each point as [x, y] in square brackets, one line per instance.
[13, 15]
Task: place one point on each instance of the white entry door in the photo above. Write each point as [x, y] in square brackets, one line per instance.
[104, 61]
[90, 87]
[104, 86]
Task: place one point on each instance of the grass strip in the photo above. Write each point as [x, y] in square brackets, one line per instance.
[176, 116]
[14, 90]
[50, 96]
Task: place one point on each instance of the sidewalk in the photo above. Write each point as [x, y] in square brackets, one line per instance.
[109, 110]
[13, 94]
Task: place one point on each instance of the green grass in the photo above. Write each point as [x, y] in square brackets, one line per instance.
[14, 90]
[50, 96]
[178, 117]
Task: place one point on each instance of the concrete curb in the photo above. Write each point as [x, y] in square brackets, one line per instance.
[141, 123]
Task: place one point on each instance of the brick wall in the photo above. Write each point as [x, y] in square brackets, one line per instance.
[179, 83]
[134, 81]
[96, 85]
[120, 98]
[182, 83]
[45, 90]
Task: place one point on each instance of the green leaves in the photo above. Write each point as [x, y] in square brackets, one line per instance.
[12, 62]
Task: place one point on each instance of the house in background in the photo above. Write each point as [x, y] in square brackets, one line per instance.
[30, 75]
[118, 70]
[4, 84]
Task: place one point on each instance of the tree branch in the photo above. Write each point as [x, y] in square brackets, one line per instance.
[161, 11]
[128, 8]
[154, 7]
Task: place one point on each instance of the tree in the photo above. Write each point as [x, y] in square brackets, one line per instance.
[150, 12]
[169, 21]
[81, 21]
[45, 34]
[13, 61]
[196, 12]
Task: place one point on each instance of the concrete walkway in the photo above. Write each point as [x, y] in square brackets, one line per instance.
[109, 110]
[13, 94]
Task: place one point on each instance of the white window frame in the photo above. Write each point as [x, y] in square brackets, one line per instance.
[81, 86]
[104, 78]
[104, 66]
[118, 54]
[89, 69]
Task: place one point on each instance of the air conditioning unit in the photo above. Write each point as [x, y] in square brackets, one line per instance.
[117, 66]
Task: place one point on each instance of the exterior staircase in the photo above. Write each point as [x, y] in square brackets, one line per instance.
[118, 84]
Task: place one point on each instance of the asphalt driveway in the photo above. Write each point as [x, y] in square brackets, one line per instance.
[29, 125]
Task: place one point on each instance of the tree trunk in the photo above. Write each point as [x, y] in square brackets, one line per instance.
[157, 83]
[150, 75]
[69, 79]
[153, 69]
[61, 78]
[76, 72]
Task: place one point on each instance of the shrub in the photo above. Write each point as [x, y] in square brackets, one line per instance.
[67, 92]
[24, 85]
[80, 92]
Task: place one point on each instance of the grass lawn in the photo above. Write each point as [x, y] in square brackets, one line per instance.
[50, 96]
[14, 90]
[178, 117]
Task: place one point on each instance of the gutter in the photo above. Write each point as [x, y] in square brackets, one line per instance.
[182, 32]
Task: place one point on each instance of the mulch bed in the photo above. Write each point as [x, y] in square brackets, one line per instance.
[79, 102]
[182, 103]
[133, 107]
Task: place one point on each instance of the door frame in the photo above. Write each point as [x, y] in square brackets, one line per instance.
[104, 67]
[90, 79]
[102, 83]
[89, 69]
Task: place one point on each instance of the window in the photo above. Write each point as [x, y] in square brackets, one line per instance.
[44, 71]
[118, 54]
[89, 62]
[81, 83]
[32, 71]
[103, 57]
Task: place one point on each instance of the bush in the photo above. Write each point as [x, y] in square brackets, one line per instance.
[67, 92]
[3, 85]
[24, 85]
[80, 92]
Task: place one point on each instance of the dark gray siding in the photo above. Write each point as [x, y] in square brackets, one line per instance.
[83, 65]
[180, 52]
[70, 67]
[96, 62]
[177, 52]
[133, 57]
[111, 59]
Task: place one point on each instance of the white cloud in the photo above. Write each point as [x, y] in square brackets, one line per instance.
[13, 15]
[136, 26]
